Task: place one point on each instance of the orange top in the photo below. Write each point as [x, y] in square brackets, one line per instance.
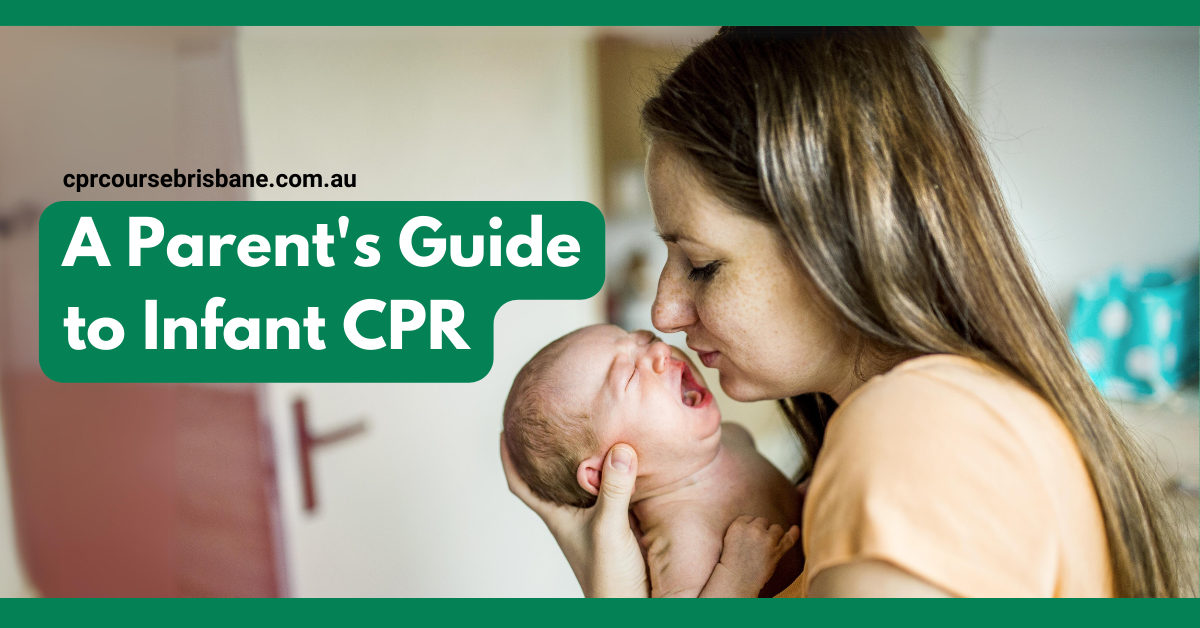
[961, 476]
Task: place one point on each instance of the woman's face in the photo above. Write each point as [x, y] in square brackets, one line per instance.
[729, 283]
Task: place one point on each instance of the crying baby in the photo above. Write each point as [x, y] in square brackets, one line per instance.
[599, 386]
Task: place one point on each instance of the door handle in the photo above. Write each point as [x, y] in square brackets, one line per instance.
[308, 441]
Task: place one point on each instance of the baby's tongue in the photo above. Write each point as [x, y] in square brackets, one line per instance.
[690, 391]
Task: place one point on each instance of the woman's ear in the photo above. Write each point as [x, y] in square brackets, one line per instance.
[588, 474]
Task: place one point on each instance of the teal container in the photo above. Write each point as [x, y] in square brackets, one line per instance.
[1137, 335]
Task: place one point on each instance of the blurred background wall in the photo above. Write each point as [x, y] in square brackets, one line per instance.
[418, 504]
[1095, 139]
[1093, 133]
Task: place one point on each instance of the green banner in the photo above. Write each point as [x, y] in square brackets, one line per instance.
[612, 12]
[299, 291]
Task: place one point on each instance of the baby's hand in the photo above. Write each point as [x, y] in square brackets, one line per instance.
[753, 546]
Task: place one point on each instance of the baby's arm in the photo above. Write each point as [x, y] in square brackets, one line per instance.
[688, 562]
[753, 546]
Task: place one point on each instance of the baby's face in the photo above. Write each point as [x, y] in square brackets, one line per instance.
[642, 392]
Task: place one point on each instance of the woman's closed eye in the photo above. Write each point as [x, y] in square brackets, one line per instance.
[704, 273]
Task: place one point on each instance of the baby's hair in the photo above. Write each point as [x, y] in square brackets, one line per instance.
[546, 440]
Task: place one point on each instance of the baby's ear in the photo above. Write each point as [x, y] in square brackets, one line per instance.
[588, 474]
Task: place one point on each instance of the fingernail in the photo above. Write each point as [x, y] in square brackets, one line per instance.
[621, 458]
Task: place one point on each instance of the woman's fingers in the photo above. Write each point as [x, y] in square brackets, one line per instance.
[616, 486]
[598, 542]
[620, 570]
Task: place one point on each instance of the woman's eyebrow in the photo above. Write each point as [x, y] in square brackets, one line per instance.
[672, 238]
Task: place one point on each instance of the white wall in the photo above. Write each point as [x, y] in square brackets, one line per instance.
[1094, 136]
[418, 505]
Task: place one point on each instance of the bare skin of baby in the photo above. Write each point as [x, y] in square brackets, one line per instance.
[696, 476]
[684, 526]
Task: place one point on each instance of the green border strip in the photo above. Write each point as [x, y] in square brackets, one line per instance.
[612, 12]
[558, 612]
[529, 613]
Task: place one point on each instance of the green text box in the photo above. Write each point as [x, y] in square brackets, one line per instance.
[120, 291]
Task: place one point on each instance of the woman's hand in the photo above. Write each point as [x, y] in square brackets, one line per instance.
[598, 541]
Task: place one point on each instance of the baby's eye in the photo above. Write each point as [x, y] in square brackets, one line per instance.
[704, 273]
[645, 337]
[632, 373]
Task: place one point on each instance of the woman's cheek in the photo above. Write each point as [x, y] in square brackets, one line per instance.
[730, 326]
[766, 343]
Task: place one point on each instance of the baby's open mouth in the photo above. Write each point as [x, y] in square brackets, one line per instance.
[691, 392]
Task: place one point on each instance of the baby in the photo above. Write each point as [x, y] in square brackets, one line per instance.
[599, 386]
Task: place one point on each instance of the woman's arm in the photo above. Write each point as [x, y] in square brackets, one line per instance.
[598, 541]
[870, 578]
[755, 548]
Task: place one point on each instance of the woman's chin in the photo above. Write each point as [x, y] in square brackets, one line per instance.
[738, 388]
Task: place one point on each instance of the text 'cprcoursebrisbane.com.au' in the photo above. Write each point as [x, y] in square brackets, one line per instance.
[200, 179]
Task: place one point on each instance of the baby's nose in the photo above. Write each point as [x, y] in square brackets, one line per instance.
[659, 355]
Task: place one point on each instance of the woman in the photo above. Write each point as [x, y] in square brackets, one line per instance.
[837, 242]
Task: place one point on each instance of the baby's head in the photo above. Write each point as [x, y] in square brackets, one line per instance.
[599, 386]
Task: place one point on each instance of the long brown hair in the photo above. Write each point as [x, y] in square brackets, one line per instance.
[851, 143]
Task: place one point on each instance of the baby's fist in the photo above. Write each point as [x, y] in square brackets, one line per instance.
[753, 546]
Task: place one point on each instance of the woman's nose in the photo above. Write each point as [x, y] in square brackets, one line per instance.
[673, 307]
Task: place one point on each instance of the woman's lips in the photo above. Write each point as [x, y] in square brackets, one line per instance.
[709, 358]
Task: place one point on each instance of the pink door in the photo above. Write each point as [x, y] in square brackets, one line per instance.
[130, 489]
